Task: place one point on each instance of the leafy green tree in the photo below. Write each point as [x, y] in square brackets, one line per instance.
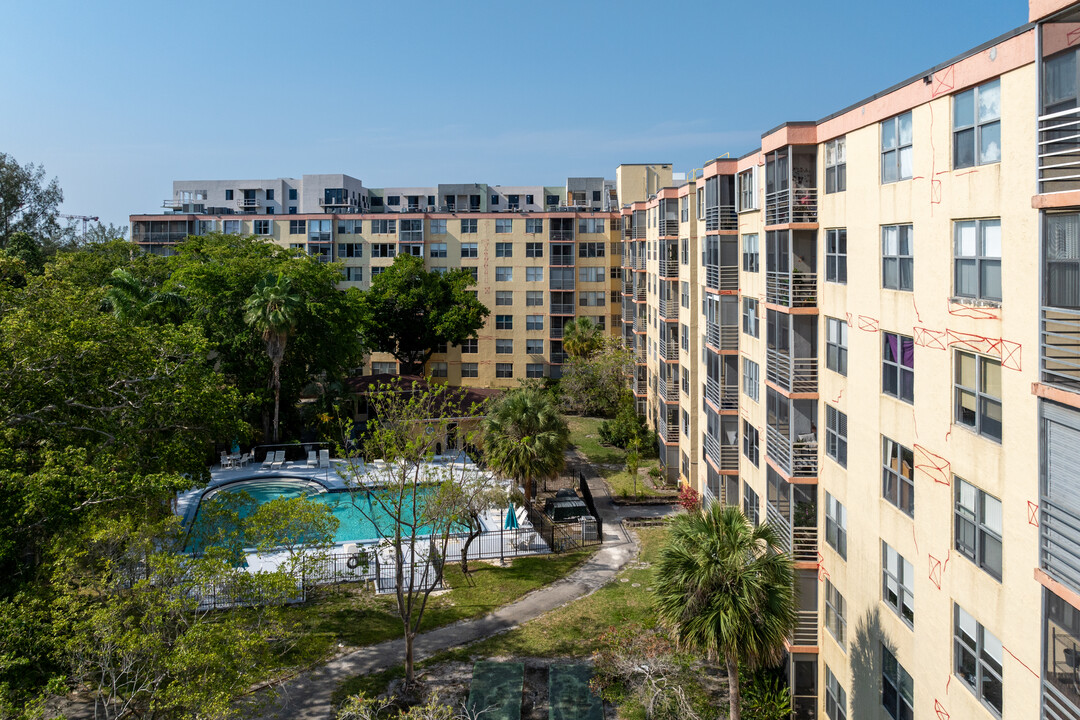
[582, 338]
[628, 428]
[271, 311]
[408, 310]
[130, 300]
[28, 203]
[593, 385]
[725, 586]
[20, 245]
[525, 437]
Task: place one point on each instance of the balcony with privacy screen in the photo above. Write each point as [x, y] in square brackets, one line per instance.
[791, 185]
[791, 268]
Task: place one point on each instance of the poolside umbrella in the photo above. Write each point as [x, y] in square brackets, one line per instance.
[511, 518]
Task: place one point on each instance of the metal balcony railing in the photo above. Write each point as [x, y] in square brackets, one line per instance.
[558, 358]
[561, 235]
[796, 375]
[723, 397]
[796, 458]
[804, 544]
[724, 457]
[793, 290]
[806, 629]
[628, 285]
[629, 312]
[562, 308]
[668, 432]
[722, 337]
[722, 277]
[780, 524]
[247, 203]
[669, 268]
[639, 324]
[795, 205]
[1058, 153]
[721, 217]
[669, 309]
[641, 355]
[669, 228]
[173, 204]
[639, 293]
[1059, 347]
[669, 350]
[667, 389]
[638, 232]
[641, 387]
[628, 232]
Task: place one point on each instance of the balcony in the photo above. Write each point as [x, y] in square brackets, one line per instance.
[639, 324]
[792, 290]
[668, 431]
[173, 204]
[794, 205]
[641, 386]
[797, 458]
[1058, 152]
[1060, 347]
[669, 350]
[669, 309]
[806, 629]
[628, 284]
[722, 396]
[722, 337]
[640, 354]
[795, 375]
[669, 228]
[724, 457]
[669, 268]
[721, 217]
[558, 357]
[248, 204]
[667, 389]
[722, 277]
[562, 308]
[335, 202]
[639, 292]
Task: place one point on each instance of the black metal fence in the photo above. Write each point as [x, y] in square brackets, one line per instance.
[586, 495]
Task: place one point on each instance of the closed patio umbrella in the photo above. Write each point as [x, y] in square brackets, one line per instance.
[511, 518]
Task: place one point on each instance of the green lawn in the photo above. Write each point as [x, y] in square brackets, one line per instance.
[622, 485]
[585, 436]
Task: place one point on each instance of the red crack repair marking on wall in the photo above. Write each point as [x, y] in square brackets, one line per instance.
[936, 568]
[1007, 350]
[944, 82]
[868, 324]
[942, 713]
[927, 338]
[1026, 666]
[1033, 514]
[933, 465]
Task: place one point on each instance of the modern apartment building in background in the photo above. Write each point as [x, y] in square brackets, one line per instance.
[866, 331]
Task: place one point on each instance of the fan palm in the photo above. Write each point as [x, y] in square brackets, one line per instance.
[271, 311]
[525, 437]
[726, 586]
[129, 300]
[581, 338]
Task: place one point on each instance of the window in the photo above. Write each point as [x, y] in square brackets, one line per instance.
[836, 345]
[898, 367]
[468, 226]
[393, 200]
[592, 298]
[346, 227]
[376, 271]
[750, 442]
[529, 200]
[534, 274]
[350, 250]
[504, 346]
[591, 274]
[591, 225]
[835, 697]
[470, 345]
[977, 126]
[834, 613]
[897, 688]
[384, 368]
[438, 369]
[292, 193]
[750, 504]
[836, 435]
[383, 250]
[504, 297]
[534, 370]
[504, 249]
[470, 370]
[749, 317]
[504, 225]
[231, 227]
[504, 370]
[384, 227]
[468, 250]
[472, 270]
[977, 254]
[596, 196]
[534, 347]
[504, 322]
[297, 227]
[533, 298]
[534, 322]
[437, 227]
[292, 209]
[504, 274]
[977, 658]
[591, 249]
[836, 525]
[897, 263]
[750, 257]
[836, 165]
[896, 150]
[552, 199]
[437, 250]
[684, 338]
[353, 274]
[262, 227]
[978, 394]
[836, 256]
[898, 475]
[978, 526]
[747, 190]
[534, 249]
[228, 194]
[750, 377]
[269, 194]
[898, 576]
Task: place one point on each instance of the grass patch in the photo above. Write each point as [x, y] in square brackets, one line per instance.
[585, 436]
[622, 485]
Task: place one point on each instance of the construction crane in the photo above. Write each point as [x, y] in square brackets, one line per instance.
[85, 219]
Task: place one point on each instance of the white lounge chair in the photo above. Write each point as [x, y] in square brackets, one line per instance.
[312, 459]
[225, 461]
[268, 461]
[279, 459]
[244, 459]
[324, 458]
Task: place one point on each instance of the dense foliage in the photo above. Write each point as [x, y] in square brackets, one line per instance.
[593, 383]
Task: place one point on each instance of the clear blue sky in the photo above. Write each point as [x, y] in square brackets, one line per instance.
[119, 99]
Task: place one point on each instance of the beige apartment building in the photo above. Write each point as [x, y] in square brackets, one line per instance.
[866, 332]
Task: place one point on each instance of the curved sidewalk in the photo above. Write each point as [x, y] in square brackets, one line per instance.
[307, 697]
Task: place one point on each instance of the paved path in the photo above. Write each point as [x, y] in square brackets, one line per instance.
[307, 697]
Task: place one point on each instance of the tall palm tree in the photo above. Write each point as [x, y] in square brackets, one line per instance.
[725, 586]
[271, 311]
[525, 437]
[128, 299]
[581, 337]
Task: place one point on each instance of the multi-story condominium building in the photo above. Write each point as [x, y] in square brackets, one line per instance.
[866, 331]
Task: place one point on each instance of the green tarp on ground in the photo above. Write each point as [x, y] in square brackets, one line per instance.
[497, 686]
[569, 696]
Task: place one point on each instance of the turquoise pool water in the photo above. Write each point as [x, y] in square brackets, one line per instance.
[360, 517]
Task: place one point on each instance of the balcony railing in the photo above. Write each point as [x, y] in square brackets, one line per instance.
[804, 544]
[668, 432]
[669, 268]
[796, 375]
[780, 524]
[721, 217]
[795, 205]
[797, 459]
[639, 292]
[629, 312]
[806, 629]
[724, 457]
[669, 350]
[641, 355]
[247, 203]
[723, 397]
[628, 232]
[722, 337]
[669, 228]
[669, 309]
[558, 358]
[641, 386]
[562, 308]
[628, 285]
[722, 277]
[1059, 151]
[173, 204]
[667, 389]
[639, 324]
[638, 232]
[1060, 347]
[793, 290]
[335, 202]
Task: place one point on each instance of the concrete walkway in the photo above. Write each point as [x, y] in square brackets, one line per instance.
[307, 697]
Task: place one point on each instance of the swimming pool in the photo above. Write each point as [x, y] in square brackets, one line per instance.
[360, 517]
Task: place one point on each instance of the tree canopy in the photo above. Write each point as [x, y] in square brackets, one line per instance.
[28, 202]
[408, 311]
[525, 438]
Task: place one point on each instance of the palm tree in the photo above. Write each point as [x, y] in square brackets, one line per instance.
[525, 437]
[581, 337]
[271, 311]
[725, 586]
[129, 300]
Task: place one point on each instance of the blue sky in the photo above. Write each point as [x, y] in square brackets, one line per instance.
[119, 99]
